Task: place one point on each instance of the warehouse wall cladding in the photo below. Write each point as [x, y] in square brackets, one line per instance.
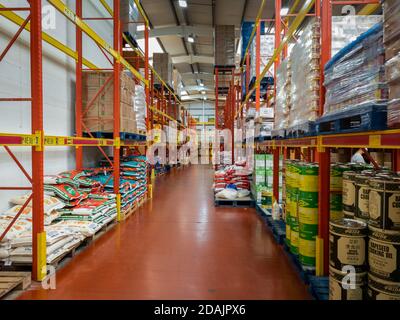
[200, 158]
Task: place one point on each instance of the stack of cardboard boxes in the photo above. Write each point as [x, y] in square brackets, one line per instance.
[391, 39]
[100, 115]
[264, 122]
[162, 63]
[224, 48]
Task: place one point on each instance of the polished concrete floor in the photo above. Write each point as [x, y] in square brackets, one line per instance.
[179, 246]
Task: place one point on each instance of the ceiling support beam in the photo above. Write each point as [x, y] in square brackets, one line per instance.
[179, 30]
[178, 23]
[192, 59]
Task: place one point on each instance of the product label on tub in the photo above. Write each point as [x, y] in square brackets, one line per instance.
[351, 251]
[348, 193]
[394, 208]
[382, 258]
[374, 205]
[363, 199]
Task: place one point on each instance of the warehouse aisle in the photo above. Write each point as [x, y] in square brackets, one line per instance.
[179, 246]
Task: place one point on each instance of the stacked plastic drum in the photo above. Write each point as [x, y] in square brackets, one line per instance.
[308, 214]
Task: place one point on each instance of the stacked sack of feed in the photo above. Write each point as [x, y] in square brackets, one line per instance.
[100, 211]
[58, 242]
[74, 208]
[131, 191]
[232, 182]
[20, 226]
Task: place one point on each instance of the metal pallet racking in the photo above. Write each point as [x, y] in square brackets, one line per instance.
[37, 140]
[318, 148]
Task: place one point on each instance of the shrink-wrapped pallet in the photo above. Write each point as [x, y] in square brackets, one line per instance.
[267, 47]
[283, 96]
[356, 75]
[305, 70]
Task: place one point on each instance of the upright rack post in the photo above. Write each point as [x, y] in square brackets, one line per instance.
[38, 234]
[78, 87]
[216, 100]
[275, 167]
[117, 103]
[322, 250]
[258, 65]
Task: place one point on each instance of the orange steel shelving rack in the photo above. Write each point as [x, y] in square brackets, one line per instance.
[318, 147]
[37, 140]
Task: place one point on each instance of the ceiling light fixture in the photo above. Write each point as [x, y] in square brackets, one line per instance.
[190, 39]
[284, 11]
[201, 84]
[182, 3]
[203, 92]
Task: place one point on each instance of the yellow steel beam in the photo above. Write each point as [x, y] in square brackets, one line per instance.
[141, 10]
[253, 33]
[207, 123]
[161, 113]
[70, 15]
[60, 141]
[22, 140]
[369, 9]
[11, 16]
[107, 7]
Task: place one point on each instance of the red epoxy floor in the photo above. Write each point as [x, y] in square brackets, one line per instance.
[179, 246]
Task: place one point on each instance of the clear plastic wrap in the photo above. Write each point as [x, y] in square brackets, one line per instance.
[391, 27]
[305, 71]
[393, 69]
[267, 46]
[346, 29]
[356, 75]
[283, 97]
[139, 102]
[393, 114]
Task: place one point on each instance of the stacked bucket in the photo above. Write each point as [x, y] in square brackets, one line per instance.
[308, 214]
[371, 198]
[301, 186]
[336, 190]
[292, 221]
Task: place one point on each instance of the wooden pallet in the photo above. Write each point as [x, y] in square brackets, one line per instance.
[12, 281]
[107, 226]
[127, 213]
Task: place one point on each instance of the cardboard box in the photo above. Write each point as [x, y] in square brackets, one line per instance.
[224, 45]
[162, 63]
[101, 113]
[266, 112]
